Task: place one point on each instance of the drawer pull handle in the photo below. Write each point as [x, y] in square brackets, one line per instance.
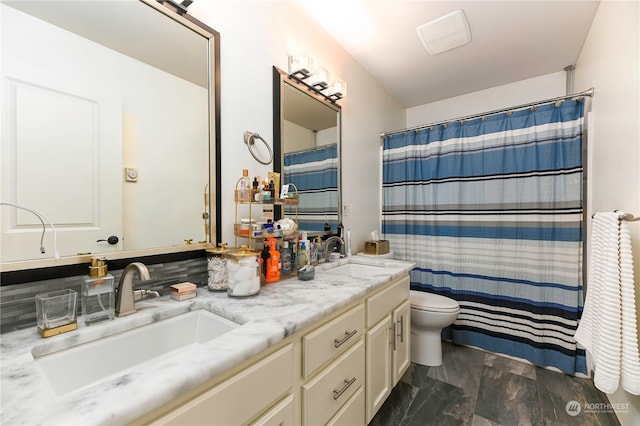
[347, 383]
[347, 335]
[392, 335]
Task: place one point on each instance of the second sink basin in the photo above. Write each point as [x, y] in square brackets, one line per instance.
[78, 366]
[364, 271]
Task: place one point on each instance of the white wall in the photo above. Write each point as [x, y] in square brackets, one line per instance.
[519, 93]
[609, 62]
[256, 35]
[296, 138]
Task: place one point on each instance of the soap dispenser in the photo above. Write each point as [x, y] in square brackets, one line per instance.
[98, 298]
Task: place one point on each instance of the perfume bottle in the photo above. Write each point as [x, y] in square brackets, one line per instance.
[98, 298]
[243, 187]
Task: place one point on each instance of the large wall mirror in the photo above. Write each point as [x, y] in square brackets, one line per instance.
[109, 128]
[307, 133]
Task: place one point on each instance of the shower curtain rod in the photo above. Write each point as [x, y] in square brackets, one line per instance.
[588, 92]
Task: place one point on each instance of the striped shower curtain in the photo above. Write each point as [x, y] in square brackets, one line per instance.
[491, 211]
[314, 172]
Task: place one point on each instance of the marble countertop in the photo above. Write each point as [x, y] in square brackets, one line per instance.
[279, 310]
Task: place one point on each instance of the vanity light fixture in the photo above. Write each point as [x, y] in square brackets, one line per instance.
[179, 8]
[338, 89]
[300, 66]
[317, 79]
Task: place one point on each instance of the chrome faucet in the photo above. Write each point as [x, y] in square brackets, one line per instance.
[125, 295]
[326, 246]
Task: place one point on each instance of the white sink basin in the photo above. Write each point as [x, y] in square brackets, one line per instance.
[82, 365]
[363, 271]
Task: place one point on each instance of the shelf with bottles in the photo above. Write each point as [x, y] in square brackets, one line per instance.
[252, 230]
[248, 227]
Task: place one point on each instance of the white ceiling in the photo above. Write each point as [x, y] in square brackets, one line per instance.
[510, 41]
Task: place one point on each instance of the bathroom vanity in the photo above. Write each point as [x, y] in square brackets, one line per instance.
[323, 351]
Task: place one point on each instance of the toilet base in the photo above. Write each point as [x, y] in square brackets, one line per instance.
[426, 348]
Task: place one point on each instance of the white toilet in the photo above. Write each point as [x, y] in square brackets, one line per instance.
[430, 313]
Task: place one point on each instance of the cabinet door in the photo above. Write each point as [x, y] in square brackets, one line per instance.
[401, 354]
[378, 384]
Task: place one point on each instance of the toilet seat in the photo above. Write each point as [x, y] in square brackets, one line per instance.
[424, 301]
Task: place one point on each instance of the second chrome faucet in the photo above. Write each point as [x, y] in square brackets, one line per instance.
[125, 295]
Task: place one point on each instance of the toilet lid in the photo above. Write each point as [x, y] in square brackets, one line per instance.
[432, 302]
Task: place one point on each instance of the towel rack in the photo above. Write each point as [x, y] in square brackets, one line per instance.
[626, 216]
[629, 217]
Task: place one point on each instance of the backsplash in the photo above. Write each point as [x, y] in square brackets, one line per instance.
[18, 306]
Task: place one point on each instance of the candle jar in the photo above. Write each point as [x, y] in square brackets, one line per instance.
[217, 267]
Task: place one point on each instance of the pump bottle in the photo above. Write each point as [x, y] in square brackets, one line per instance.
[98, 298]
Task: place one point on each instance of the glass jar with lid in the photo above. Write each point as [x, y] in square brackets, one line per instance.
[217, 267]
[243, 268]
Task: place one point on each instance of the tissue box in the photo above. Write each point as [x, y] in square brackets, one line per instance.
[376, 247]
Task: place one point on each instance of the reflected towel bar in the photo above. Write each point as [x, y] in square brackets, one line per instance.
[624, 216]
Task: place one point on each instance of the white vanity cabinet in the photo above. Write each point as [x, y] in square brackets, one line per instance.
[240, 398]
[387, 341]
[337, 371]
[337, 345]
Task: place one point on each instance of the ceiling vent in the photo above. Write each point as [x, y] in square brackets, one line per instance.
[445, 33]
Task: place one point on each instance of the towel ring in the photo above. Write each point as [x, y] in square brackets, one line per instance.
[249, 139]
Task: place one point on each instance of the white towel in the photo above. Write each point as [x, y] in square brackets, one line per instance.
[608, 327]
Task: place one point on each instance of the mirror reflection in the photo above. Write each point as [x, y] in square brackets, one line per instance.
[104, 131]
[309, 131]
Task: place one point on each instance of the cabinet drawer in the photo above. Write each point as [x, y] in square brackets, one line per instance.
[331, 339]
[243, 396]
[353, 411]
[280, 415]
[379, 305]
[327, 393]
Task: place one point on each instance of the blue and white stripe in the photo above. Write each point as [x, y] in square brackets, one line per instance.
[315, 174]
[491, 211]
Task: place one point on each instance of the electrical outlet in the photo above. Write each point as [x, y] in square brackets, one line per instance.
[346, 210]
